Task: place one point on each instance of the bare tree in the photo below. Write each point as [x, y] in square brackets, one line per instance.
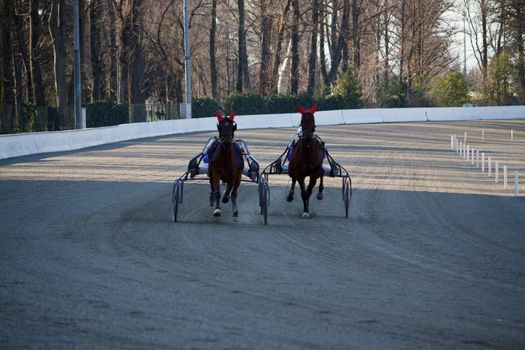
[243, 74]
[7, 98]
[265, 34]
[213, 51]
[34, 38]
[57, 29]
[294, 72]
[312, 55]
[96, 26]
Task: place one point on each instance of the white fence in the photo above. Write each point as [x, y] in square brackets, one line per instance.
[464, 150]
[43, 142]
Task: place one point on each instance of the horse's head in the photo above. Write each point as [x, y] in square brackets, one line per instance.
[307, 121]
[226, 127]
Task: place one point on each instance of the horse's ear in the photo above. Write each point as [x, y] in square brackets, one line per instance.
[232, 115]
[300, 109]
[314, 108]
[219, 116]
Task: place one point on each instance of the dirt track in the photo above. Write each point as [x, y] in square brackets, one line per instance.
[432, 256]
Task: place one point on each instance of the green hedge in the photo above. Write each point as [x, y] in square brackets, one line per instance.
[204, 107]
[105, 113]
[248, 103]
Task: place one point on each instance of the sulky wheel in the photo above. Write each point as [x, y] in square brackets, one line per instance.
[347, 193]
[264, 193]
[264, 207]
[176, 199]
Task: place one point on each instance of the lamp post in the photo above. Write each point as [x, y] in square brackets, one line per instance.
[187, 61]
[76, 62]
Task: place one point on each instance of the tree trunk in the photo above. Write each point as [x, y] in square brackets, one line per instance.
[7, 84]
[97, 59]
[356, 40]
[312, 61]
[402, 20]
[520, 38]
[243, 76]
[323, 33]
[294, 72]
[125, 14]
[112, 86]
[266, 32]
[278, 50]
[57, 29]
[340, 45]
[34, 37]
[137, 67]
[386, 28]
[20, 30]
[213, 51]
[484, 35]
[19, 88]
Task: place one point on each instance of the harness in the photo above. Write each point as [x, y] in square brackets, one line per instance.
[293, 143]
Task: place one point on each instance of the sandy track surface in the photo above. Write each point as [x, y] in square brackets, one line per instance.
[432, 256]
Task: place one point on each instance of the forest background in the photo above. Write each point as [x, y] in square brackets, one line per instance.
[254, 56]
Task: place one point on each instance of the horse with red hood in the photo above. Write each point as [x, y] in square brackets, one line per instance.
[226, 164]
[306, 160]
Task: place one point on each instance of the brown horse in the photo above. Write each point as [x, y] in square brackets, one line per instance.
[226, 165]
[307, 160]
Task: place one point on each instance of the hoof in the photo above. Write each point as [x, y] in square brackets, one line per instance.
[217, 212]
[225, 199]
[320, 196]
[289, 197]
[306, 215]
[235, 217]
[236, 214]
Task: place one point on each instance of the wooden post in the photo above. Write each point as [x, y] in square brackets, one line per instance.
[504, 177]
[516, 184]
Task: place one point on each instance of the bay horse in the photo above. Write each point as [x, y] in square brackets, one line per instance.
[226, 165]
[307, 160]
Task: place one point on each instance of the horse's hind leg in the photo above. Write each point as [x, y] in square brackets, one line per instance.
[320, 194]
[304, 197]
[289, 197]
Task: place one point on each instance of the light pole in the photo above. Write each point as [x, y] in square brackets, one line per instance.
[187, 59]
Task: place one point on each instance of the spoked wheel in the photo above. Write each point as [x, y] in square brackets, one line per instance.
[264, 199]
[347, 193]
[176, 198]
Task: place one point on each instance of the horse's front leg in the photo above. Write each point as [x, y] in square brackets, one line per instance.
[216, 194]
[236, 185]
[320, 194]
[226, 195]
[289, 197]
[305, 194]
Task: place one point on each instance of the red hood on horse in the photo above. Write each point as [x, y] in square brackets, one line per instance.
[306, 160]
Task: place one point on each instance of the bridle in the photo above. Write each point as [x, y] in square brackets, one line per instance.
[226, 133]
[307, 122]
